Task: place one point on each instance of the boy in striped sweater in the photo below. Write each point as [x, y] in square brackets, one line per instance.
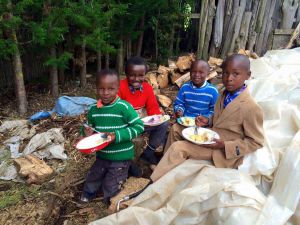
[120, 121]
[195, 98]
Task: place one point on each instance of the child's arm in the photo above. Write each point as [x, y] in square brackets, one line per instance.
[86, 131]
[179, 103]
[135, 126]
[254, 137]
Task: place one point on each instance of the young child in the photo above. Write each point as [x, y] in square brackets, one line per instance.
[195, 98]
[237, 119]
[117, 118]
[140, 95]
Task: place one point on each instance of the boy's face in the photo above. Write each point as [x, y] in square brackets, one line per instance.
[234, 75]
[107, 88]
[199, 72]
[135, 75]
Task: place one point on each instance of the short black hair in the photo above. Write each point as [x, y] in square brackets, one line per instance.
[136, 60]
[200, 61]
[240, 57]
[106, 72]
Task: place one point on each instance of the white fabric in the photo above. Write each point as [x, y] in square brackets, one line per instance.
[194, 193]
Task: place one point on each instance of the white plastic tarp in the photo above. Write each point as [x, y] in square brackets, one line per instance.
[194, 193]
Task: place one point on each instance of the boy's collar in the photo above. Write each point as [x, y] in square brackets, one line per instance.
[203, 85]
[100, 104]
[133, 90]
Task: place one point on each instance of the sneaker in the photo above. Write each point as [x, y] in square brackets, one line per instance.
[86, 198]
[135, 170]
[149, 156]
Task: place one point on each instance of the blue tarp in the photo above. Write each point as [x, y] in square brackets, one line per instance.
[66, 106]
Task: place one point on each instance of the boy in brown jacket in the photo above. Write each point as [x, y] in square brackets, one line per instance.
[237, 119]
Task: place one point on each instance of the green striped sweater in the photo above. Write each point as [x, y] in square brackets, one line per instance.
[122, 119]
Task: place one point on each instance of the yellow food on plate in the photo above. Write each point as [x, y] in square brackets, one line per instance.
[188, 121]
[204, 137]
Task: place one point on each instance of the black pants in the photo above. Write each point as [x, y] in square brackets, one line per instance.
[105, 174]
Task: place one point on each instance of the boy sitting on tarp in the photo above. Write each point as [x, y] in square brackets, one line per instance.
[237, 119]
[195, 98]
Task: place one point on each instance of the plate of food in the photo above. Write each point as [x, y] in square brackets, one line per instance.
[186, 121]
[203, 137]
[93, 143]
[155, 120]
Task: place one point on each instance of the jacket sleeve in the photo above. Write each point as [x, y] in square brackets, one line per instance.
[253, 132]
[152, 106]
[179, 103]
[135, 126]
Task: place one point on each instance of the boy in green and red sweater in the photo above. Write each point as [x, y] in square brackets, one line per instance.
[120, 121]
[140, 95]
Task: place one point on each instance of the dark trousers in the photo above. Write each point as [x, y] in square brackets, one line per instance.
[157, 134]
[105, 174]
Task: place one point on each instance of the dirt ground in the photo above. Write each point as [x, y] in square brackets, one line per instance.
[57, 200]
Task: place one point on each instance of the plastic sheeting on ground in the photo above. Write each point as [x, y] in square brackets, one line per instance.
[66, 106]
[196, 194]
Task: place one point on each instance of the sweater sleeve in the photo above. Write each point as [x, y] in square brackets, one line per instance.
[212, 103]
[135, 126]
[179, 103]
[152, 106]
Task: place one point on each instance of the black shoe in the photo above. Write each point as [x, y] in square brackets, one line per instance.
[149, 156]
[135, 170]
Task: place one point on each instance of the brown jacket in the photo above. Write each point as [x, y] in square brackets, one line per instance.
[240, 125]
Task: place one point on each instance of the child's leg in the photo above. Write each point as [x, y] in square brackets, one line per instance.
[94, 178]
[157, 134]
[116, 175]
[174, 135]
[177, 154]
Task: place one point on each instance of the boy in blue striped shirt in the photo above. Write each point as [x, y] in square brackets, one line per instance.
[195, 98]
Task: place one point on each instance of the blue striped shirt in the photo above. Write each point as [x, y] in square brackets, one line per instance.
[194, 101]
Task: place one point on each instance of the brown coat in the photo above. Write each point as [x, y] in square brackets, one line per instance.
[240, 125]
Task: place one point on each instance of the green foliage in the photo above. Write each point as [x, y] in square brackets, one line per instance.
[60, 61]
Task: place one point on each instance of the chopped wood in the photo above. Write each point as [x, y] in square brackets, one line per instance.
[212, 75]
[163, 80]
[152, 80]
[164, 100]
[174, 76]
[184, 62]
[215, 61]
[184, 78]
[36, 170]
[172, 64]
[163, 70]
[131, 186]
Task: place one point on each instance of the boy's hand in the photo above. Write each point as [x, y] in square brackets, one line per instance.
[88, 131]
[201, 121]
[178, 114]
[112, 137]
[218, 145]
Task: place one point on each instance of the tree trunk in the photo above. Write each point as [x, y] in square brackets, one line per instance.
[171, 44]
[19, 79]
[141, 37]
[219, 21]
[252, 33]
[120, 58]
[106, 60]
[156, 37]
[99, 65]
[208, 32]
[61, 76]
[128, 48]
[83, 65]
[54, 74]
[202, 28]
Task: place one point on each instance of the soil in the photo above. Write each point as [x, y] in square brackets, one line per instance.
[56, 201]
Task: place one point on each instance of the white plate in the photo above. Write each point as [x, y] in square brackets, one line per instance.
[187, 132]
[157, 120]
[182, 122]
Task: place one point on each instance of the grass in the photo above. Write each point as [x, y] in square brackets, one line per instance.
[16, 193]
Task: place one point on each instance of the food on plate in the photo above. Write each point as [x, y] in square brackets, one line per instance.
[202, 137]
[187, 121]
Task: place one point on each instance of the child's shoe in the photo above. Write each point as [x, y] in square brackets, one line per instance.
[135, 170]
[86, 198]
